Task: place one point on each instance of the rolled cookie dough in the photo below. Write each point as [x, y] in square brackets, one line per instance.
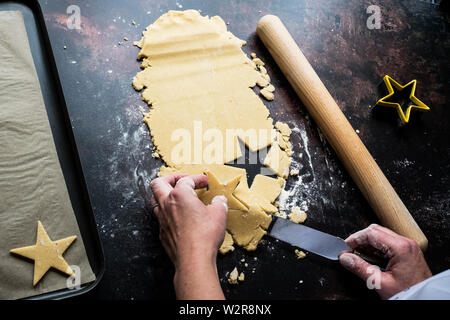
[198, 79]
[199, 82]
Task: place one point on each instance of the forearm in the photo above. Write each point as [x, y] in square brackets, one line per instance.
[197, 279]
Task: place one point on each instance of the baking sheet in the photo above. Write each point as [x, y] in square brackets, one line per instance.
[32, 186]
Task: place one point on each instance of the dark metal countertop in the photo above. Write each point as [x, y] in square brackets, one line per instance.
[115, 146]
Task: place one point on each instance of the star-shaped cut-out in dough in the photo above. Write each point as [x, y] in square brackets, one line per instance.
[273, 162]
[417, 104]
[215, 188]
[46, 254]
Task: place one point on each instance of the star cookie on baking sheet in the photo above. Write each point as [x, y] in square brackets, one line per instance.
[416, 103]
[46, 254]
[215, 188]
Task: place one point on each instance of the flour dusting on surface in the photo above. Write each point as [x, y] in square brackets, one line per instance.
[299, 189]
[403, 163]
[134, 142]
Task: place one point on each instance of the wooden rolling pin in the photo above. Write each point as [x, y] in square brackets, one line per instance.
[332, 122]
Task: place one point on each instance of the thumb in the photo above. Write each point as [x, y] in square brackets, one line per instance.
[219, 207]
[356, 265]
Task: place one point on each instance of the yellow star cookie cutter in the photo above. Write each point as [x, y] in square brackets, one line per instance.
[417, 104]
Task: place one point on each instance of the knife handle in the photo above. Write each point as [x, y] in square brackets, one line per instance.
[339, 133]
[380, 262]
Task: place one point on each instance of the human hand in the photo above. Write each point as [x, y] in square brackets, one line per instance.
[190, 233]
[187, 227]
[406, 266]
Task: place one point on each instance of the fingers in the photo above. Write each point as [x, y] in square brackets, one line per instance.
[374, 225]
[219, 203]
[162, 186]
[356, 265]
[172, 179]
[155, 206]
[184, 192]
[377, 237]
[219, 208]
[193, 182]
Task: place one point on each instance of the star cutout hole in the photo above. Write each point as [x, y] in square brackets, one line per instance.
[252, 162]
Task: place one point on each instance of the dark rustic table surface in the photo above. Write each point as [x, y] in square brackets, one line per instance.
[351, 59]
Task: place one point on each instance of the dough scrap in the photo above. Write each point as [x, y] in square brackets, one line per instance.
[46, 254]
[282, 142]
[262, 70]
[278, 160]
[300, 254]
[227, 244]
[258, 61]
[266, 93]
[297, 215]
[284, 128]
[233, 276]
[198, 83]
[279, 156]
[270, 88]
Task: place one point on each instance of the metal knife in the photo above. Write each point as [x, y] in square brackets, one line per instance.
[307, 238]
[315, 241]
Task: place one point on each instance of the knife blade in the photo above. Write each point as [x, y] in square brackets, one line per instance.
[307, 238]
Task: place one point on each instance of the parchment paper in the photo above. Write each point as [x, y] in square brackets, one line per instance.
[32, 185]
